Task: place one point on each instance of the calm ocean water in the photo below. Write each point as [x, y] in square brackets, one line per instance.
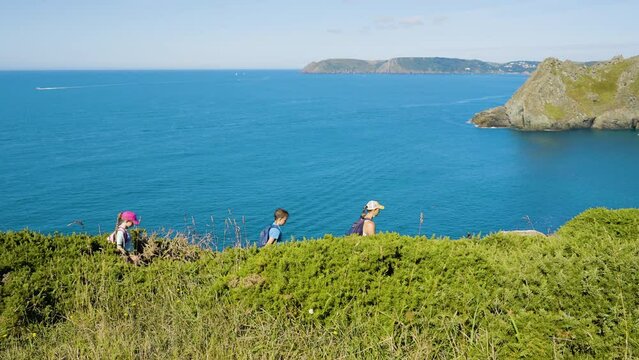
[184, 147]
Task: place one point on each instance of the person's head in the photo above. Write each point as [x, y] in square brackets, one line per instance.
[281, 216]
[372, 207]
[129, 218]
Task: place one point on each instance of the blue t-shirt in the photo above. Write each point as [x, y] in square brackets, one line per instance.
[275, 232]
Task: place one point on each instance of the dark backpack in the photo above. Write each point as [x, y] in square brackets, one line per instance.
[264, 235]
[357, 227]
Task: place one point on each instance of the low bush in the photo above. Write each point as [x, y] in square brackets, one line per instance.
[571, 294]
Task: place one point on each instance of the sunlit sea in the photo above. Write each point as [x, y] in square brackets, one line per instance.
[207, 150]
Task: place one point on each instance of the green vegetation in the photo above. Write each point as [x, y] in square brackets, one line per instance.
[570, 295]
[343, 66]
[443, 65]
[595, 91]
[418, 65]
[554, 112]
[634, 87]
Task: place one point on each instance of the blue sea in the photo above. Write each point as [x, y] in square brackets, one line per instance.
[205, 150]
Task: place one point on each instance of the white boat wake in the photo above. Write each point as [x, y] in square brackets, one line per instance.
[457, 102]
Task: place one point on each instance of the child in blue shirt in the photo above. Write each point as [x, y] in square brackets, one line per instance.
[273, 233]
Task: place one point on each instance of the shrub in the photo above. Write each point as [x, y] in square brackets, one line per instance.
[572, 294]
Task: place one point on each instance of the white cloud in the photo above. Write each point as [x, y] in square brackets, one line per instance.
[385, 20]
[439, 20]
[392, 23]
[411, 21]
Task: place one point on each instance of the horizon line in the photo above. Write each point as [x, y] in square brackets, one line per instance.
[146, 69]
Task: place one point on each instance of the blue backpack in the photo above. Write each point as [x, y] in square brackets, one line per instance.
[357, 227]
[264, 234]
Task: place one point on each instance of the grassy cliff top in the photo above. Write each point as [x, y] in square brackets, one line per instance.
[572, 294]
[582, 90]
[595, 88]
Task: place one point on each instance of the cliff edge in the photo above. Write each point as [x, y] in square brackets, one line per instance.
[563, 95]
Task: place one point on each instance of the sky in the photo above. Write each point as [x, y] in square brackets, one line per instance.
[288, 34]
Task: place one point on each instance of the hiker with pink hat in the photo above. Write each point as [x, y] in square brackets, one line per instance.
[120, 236]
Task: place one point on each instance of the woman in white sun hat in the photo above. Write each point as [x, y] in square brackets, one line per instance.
[365, 225]
[371, 210]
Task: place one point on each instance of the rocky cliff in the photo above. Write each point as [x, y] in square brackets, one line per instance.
[567, 95]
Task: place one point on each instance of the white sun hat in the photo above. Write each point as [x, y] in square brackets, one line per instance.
[372, 205]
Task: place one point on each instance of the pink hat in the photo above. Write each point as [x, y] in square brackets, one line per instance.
[130, 216]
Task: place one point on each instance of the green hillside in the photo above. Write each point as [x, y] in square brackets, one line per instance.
[595, 91]
[570, 295]
[343, 66]
[442, 65]
[418, 65]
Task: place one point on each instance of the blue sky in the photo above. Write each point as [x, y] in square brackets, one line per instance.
[240, 34]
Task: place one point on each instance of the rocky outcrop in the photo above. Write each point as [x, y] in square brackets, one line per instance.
[495, 117]
[523, 232]
[567, 95]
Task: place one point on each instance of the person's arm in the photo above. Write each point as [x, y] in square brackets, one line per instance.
[273, 235]
[369, 228]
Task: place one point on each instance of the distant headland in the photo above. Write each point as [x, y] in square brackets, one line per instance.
[418, 65]
[563, 95]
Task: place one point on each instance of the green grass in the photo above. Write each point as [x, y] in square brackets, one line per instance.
[554, 112]
[570, 295]
[595, 90]
[634, 87]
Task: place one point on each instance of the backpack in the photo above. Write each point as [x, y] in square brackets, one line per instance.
[264, 235]
[357, 227]
[111, 238]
